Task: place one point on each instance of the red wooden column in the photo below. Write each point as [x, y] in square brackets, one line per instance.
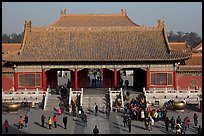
[147, 79]
[175, 82]
[76, 80]
[16, 81]
[44, 80]
[115, 79]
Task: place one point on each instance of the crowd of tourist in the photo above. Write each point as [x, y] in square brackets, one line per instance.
[137, 110]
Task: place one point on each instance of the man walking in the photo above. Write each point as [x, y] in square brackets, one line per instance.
[129, 123]
[172, 122]
[166, 121]
[26, 121]
[65, 122]
[125, 120]
[96, 109]
[43, 120]
[178, 120]
[107, 112]
[195, 117]
[95, 130]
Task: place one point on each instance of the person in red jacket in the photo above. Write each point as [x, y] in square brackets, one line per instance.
[6, 125]
[187, 121]
[55, 120]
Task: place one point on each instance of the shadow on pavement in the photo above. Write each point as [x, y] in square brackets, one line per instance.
[140, 127]
[121, 127]
[60, 126]
[40, 124]
[13, 130]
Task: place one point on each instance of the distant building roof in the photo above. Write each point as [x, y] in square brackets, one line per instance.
[93, 20]
[10, 47]
[197, 48]
[195, 60]
[7, 49]
[179, 46]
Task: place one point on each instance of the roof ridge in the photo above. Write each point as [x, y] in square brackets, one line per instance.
[116, 28]
[116, 14]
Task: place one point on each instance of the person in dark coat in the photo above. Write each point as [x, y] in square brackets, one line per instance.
[126, 83]
[43, 120]
[95, 130]
[26, 121]
[178, 120]
[166, 121]
[199, 130]
[172, 122]
[195, 118]
[96, 109]
[6, 125]
[125, 120]
[129, 123]
[107, 112]
[65, 122]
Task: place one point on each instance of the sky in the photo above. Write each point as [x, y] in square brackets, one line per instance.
[178, 16]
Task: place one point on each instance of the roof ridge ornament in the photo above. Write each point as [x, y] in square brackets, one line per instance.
[123, 12]
[63, 12]
[161, 23]
[27, 25]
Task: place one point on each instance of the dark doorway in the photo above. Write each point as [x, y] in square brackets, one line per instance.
[139, 79]
[95, 77]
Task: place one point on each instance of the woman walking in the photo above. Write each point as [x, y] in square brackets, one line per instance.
[49, 122]
[6, 125]
[55, 120]
[20, 122]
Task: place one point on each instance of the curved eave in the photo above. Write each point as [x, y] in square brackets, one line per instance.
[105, 60]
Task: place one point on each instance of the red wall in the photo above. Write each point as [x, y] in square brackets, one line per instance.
[183, 81]
[7, 83]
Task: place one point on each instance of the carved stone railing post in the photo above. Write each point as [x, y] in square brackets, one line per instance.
[70, 97]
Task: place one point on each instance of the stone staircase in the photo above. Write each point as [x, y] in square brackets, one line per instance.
[100, 99]
[53, 101]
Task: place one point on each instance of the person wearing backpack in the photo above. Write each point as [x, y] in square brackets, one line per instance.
[178, 128]
[151, 122]
[187, 121]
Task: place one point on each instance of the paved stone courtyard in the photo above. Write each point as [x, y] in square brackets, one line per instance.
[113, 125]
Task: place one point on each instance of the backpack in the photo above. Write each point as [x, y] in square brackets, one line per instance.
[177, 127]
